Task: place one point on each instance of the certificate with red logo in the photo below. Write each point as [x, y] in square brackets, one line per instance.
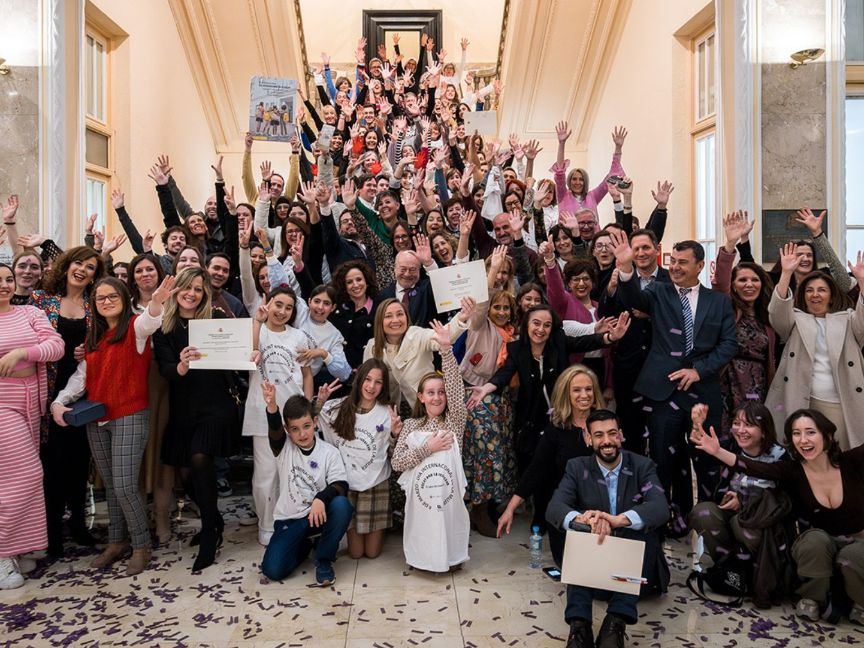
[452, 283]
[222, 343]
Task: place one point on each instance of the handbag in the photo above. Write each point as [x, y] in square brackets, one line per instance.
[729, 577]
[84, 412]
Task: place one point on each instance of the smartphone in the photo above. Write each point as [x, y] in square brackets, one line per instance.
[553, 572]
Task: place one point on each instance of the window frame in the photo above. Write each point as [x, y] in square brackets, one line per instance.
[103, 126]
[854, 89]
[702, 126]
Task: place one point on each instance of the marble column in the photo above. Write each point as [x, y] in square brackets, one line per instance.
[19, 112]
[793, 117]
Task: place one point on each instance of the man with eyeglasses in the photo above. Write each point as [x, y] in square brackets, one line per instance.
[410, 287]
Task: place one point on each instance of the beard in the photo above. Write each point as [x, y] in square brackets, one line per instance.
[604, 452]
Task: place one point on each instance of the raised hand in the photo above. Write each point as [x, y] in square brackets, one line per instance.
[540, 194]
[789, 259]
[326, 390]
[617, 331]
[264, 192]
[266, 170]
[562, 130]
[547, 251]
[439, 157]
[811, 222]
[516, 221]
[349, 193]
[622, 249]
[98, 240]
[706, 442]
[619, 134]
[158, 176]
[325, 59]
[117, 199]
[268, 391]
[297, 252]
[91, 221]
[466, 222]
[307, 193]
[735, 225]
[247, 141]
[395, 422]
[31, 240]
[532, 148]
[113, 243]
[857, 270]
[568, 221]
[699, 414]
[422, 248]
[230, 203]
[244, 235]
[323, 194]
[217, 168]
[262, 311]
[10, 209]
[164, 291]
[661, 196]
[464, 43]
[468, 307]
[164, 164]
[147, 240]
[382, 51]
[261, 235]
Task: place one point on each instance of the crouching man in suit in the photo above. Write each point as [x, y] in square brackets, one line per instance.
[614, 492]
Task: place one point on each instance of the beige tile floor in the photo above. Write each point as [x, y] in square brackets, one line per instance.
[496, 600]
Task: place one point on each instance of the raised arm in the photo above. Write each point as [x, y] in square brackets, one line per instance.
[132, 233]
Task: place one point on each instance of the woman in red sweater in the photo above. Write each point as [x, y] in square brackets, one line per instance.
[114, 372]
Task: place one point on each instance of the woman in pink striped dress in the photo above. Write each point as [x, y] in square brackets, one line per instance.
[27, 342]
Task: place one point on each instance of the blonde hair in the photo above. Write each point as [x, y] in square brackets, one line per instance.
[562, 410]
[184, 280]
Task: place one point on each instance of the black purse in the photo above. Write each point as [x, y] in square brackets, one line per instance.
[731, 577]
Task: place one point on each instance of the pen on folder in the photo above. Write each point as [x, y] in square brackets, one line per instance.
[635, 580]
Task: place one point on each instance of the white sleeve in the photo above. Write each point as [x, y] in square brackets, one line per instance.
[75, 386]
[572, 328]
[145, 326]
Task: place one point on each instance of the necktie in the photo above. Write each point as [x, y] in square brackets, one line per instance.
[688, 320]
[406, 297]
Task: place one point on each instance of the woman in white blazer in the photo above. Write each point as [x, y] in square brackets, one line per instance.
[822, 367]
[407, 350]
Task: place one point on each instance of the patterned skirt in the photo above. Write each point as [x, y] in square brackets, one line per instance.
[487, 451]
[372, 510]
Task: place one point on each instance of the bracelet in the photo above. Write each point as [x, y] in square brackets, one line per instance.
[268, 250]
[9, 223]
[244, 247]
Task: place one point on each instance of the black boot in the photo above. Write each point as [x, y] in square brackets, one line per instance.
[81, 534]
[612, 632]
[581, 634]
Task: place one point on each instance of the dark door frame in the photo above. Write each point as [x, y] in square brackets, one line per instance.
[378, 21]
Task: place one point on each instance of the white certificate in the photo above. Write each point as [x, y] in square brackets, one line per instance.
[452, 283]
[615, 565]
[223, 343]
[485, 122]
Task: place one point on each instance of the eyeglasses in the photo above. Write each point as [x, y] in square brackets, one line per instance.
[401, 237]
[581, 279]
[582, 224]
[602, 246]
[106, 299]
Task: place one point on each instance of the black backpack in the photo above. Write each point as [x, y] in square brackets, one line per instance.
[731, 576]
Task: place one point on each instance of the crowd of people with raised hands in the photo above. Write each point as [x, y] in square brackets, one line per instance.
[370, 410]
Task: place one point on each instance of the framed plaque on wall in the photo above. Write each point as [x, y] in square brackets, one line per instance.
[779, 227]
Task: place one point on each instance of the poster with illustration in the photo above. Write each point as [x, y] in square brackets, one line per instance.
[271, 108]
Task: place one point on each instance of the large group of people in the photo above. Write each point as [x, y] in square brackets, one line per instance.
[593, 383]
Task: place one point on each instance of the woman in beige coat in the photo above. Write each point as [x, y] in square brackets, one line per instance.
[407, 350]
[822, 364]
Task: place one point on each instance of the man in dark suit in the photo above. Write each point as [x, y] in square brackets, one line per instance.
[613, 492]
[410, 287]
[628, 356]
[693, 338]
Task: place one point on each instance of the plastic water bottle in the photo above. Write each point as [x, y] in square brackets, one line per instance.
[535, 547]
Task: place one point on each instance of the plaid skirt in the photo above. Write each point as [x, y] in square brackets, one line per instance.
[371, 508]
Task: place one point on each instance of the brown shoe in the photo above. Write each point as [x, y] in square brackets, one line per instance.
[138, 562]
[481, 522]
[112, 552]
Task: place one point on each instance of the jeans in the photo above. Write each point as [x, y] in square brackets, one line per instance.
[290, 543]
[580, 599]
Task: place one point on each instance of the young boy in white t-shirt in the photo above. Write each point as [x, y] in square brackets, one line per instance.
[312, 492]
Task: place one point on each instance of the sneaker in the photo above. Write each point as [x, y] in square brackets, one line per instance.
[248, 518]
[324, 573]
[857, 614]
[10, 577]
[808, 609]
[223, 487]
[25, 565]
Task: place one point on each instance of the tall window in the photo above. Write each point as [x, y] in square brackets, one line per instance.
[854, 127]
[97, 135]
[703, 142]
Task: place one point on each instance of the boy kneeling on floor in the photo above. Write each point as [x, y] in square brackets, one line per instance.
[312, 492]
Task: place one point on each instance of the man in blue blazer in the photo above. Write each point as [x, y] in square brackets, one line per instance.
[693, 338]
[616, 492]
